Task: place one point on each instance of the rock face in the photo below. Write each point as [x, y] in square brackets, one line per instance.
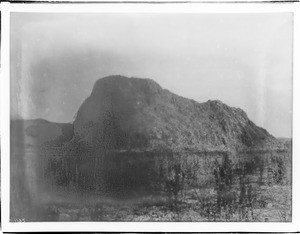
[138, 115]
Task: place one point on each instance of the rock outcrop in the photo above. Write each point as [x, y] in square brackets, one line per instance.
[132, 135]
[138, 115]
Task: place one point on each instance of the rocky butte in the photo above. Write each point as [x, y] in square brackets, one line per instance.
[131, 114]
[132, 136]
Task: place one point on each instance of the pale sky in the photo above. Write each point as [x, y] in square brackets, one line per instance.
[244, 60]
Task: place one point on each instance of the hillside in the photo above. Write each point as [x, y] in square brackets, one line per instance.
[40, 132]
[131, 114]
[132, 139]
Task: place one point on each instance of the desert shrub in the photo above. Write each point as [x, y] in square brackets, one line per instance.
[280, 171]
[173, 185]
[223, 174]
[235, 197]
[277, 171]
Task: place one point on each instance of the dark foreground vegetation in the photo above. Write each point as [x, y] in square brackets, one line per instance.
[225, 189]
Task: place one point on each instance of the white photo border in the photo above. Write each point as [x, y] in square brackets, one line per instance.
[7, 226]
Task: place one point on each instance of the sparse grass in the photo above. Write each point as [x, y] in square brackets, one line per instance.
[273, 204]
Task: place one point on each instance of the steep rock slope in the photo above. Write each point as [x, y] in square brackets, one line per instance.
[132, 114]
